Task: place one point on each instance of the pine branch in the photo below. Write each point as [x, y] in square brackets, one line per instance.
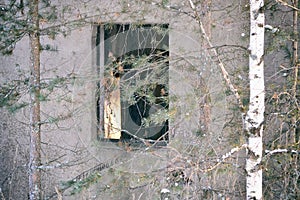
[84, 176]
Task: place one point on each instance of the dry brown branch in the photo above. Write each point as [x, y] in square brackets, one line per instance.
[288, 5]
[59, 194]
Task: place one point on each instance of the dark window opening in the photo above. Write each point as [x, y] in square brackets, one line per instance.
[135, 59]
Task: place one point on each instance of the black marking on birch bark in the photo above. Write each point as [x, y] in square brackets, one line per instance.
[261, 60]
[260, 25]
[256, 168]
[252, 155]
[255, 14]
[253, 56]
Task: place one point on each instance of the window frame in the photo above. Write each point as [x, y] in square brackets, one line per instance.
[101, 107]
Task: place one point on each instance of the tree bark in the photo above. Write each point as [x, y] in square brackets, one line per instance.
[35, 126]
[255, 115]
[296, 65]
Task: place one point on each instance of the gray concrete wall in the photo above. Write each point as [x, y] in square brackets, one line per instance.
[70, 145]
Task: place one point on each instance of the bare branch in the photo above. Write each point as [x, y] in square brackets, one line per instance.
[279, 151]
[288, 5]
[220, 63]
[226, 156]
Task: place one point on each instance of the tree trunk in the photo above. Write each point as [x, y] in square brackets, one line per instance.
[296, 65]
[35, 126]
[255, 115]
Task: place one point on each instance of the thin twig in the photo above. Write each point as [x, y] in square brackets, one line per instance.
[230, 45]
[59, 193]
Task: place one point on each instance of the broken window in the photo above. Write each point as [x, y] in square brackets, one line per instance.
[133, 65]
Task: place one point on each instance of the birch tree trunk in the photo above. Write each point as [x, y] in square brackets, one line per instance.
[35, 126]
[255, 115]
[296, 65]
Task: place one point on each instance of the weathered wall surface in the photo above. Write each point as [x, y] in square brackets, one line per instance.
[69, 135]
[13, 130]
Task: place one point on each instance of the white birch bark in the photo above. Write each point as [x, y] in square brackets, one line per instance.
[255, 115]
